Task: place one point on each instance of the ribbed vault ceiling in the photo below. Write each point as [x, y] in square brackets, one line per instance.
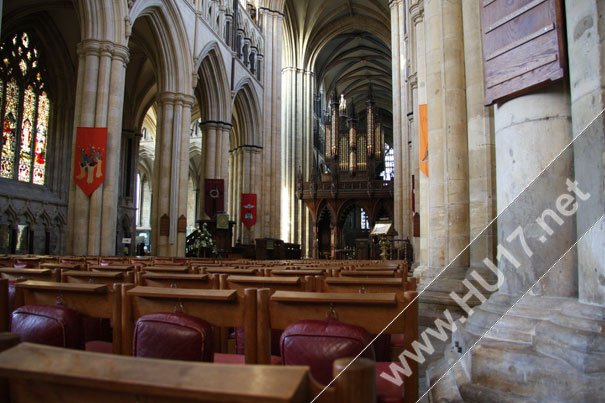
[346, 43]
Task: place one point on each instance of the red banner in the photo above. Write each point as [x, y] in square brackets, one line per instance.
[214, 198]
[89, 165]
[249, 209]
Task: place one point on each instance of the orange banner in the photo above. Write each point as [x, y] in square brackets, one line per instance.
[89, 169]
[423, 128]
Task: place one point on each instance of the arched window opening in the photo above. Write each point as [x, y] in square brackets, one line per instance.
[389, 164]
[25, 111]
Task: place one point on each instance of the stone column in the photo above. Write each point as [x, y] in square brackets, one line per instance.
[99, 102]
[297, 140]
[422, 191]
[171, 167]
[481, 146]
[402, 216]
[269, 195]
[448, 150]
[586, 47]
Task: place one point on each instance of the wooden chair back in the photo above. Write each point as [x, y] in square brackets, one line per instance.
[220, 308]
[283, 283]
[11, 273]
[177, 280]
[397, 312]
[361, 285]
[95, 300]
[97, 277]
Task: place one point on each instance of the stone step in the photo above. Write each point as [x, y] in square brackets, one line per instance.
[474, 393]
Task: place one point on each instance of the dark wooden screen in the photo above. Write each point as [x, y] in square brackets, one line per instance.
[523, 46]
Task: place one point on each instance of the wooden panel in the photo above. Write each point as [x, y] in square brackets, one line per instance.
[60, 375]
[523, 46]
[51, 286]
[161, 292]
[334, 298]
[264, 280]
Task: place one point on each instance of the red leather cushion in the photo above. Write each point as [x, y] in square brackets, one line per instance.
[317, 343]
[174, 336]
[48, 324]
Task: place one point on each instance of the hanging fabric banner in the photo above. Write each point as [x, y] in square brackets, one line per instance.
[89, 169]
[214, 198]
[424, 139]
[249, 209]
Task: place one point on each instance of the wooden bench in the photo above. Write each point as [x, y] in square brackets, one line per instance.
[220, 308]
[55, 375]
[373, 312]
[94, 300]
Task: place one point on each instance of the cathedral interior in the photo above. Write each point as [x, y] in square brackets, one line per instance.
[459, 143]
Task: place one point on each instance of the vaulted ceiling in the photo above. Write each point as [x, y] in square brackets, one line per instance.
[345, 43]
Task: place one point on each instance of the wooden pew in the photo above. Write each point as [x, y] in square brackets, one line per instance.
[187, 280]
[220, 308]
[95, 300]
[370, 311]
[55, 375]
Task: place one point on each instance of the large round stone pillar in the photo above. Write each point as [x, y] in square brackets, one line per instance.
[401, 198]
[269, 189]
[448, 214]
[170, 183]
[99, 101]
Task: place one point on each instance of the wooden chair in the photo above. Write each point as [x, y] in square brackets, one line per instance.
[94, 300]
[77, 376]
[220, 308]
[178, 280]
[373, 312]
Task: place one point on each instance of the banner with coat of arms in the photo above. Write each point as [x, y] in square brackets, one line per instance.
[214, 198]
[91, 148]
[248, 209]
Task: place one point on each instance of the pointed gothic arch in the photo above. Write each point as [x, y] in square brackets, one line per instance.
[212, 90]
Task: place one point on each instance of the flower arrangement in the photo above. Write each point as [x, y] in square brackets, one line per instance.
[202, 241]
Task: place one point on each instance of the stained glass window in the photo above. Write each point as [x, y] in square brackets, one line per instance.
[25, 111]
